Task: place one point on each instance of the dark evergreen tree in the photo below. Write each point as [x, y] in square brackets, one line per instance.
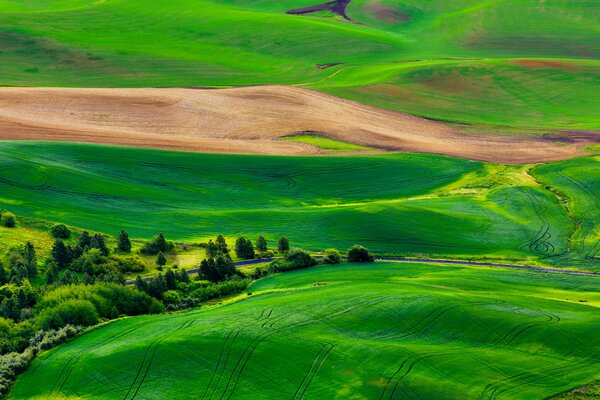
[283, 245]
[161, 260]
[123, 242]
[222, 245]
[209, 271]
[183, 276]
[244, 249]
[211, 249]
[51, 273]
[157, 286]
[85, 240]
[261, 244]
[61, 254]
[69, 278]
[3, 275]
[30, 259]
[141, 284]
[97, 242]
[88, 279]
[171, 280]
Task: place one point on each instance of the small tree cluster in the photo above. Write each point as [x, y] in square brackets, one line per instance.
[60, 231]
[159, 244]
[8, 219]
[217, 269]
[244, 248]
[359, 254]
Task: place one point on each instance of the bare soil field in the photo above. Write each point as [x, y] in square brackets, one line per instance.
[250, 120]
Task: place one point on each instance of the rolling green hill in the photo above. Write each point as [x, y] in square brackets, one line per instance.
[351, 331]
[399, 203]
[501, 62]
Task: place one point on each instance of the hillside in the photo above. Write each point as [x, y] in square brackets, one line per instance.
[467, 61]
[360, 331]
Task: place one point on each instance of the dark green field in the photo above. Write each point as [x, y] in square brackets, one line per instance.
[376, 331]
[401, 203]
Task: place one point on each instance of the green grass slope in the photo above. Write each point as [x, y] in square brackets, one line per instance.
[400, 203]
[351, 331]
[444, 60]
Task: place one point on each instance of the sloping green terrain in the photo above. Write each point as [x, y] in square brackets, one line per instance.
[371, 331]
[400, 203]
[528, 64]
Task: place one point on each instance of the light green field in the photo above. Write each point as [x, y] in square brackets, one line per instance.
[370, 331]
[324, 143]
[396, 203]
[460, 61]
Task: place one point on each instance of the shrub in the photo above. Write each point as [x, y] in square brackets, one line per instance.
[74, 312]
[60, 231]
[159, 244]
[332, 256]
[8, 219]
[359, 254]
[300, 259]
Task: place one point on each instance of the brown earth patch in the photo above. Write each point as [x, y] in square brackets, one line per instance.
[537, 64]
[249, 120]
[386, 14]
[337, 7]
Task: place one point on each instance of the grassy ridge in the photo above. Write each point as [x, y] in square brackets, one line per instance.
[454, 61]
[401, 203]
[351, 331]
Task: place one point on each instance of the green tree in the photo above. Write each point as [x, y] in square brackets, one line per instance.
[3, 275]
[30, 259]
[332, 256]
[183, 276]
[300, 259]
[170, 280]
[123, 242]
[97, 242]
[359, 254]
[211, 249]
[69, 278]
[85, 240]
[157, 286]
[141, 284]
[161, 260]
[261, 244]
[60, 231]
[244, 248]
[9, 219]
[61, 254]
[156, 246]
[222, 245]
[51, 273]
[283, 245]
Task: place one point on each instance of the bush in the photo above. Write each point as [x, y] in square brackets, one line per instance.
[73, 312]
[295, 259]
[359, 254]
[60, 231]
[8, 219]
[332, 256]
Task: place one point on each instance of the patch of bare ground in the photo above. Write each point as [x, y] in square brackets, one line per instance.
[538, 64]
[386, 13]
[249, 120]
[337, 7]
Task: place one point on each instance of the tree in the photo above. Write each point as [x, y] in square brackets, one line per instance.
[211, 249]
[244, 248]
[217, 270]
[97, 242]
[69, 278]
[30, 259]
[283, 245]
[141, 284]
[183, 276]
[221, 245]
[61, 254]
[332, 256]
[300, 259]
[8, 219]
[123, 242]
[261, 244]
[359, 254]
[157, 286]
[225, 266]
[60, 231]
[156, 246]
[85, 240]
[88, 279]
[161, 260]
[3, 275]
[51, 273]
[171, 280]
